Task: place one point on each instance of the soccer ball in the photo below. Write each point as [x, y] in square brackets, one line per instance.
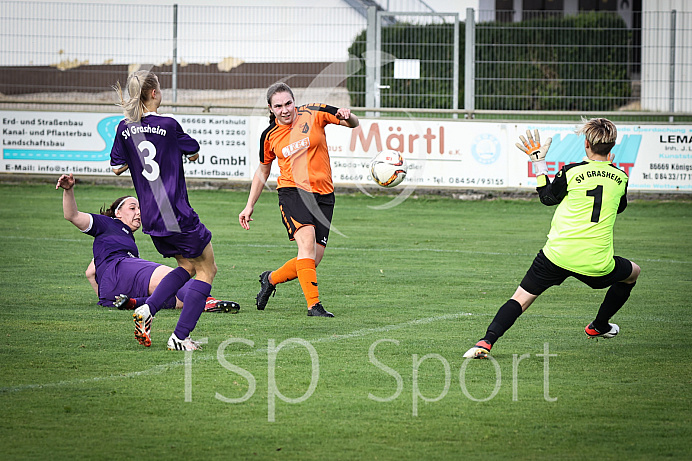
[388, 168]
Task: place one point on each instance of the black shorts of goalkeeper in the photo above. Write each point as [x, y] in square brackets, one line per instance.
[544, 274]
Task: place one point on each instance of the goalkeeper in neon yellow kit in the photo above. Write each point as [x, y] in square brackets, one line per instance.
[588, 196]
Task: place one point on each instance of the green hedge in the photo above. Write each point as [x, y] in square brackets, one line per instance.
[432, 44]
[529, 65]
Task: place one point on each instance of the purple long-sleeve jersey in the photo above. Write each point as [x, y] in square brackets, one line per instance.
[113, 241]
[153, 149]
[119, 269]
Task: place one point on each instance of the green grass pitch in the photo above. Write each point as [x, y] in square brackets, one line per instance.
[412, 288]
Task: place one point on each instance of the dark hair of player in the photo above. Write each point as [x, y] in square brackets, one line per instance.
[277, 88]
[110, 210]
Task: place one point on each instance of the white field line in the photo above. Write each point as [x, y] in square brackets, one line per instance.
[374, 250]
[159, 369]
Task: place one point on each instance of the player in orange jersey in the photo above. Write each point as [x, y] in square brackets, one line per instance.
[296, 138]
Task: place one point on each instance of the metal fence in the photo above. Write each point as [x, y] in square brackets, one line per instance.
[211, 55]
[220, 57]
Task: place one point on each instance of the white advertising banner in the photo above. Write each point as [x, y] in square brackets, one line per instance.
[457, 153]
[450, 154]
[655, 157]
[224, 145]
[80, 143]
[483, 154]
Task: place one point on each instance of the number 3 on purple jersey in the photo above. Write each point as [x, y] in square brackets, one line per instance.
[148, 149]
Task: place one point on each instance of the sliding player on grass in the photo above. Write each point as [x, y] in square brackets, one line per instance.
[589, 195]
[296, 138]
[117, 274]
[152, 146]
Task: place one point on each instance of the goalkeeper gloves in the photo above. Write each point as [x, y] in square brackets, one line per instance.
[535, 151]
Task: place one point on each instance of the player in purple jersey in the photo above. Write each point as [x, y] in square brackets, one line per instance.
[152, 146]
[117, 267]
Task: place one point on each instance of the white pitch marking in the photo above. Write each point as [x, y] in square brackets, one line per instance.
[158, 369]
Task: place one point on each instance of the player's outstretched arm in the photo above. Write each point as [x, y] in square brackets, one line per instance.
[535, 150]
[550, 193]
[258, 182]
[69, 203]
[347, 118]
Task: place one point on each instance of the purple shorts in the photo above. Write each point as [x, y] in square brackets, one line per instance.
[129, 276]
[189, 244]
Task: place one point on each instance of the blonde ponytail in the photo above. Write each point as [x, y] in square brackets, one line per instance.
[139, 86]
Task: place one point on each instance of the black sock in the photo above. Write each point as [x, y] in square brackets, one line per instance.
[504, 319]
[614, 299]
